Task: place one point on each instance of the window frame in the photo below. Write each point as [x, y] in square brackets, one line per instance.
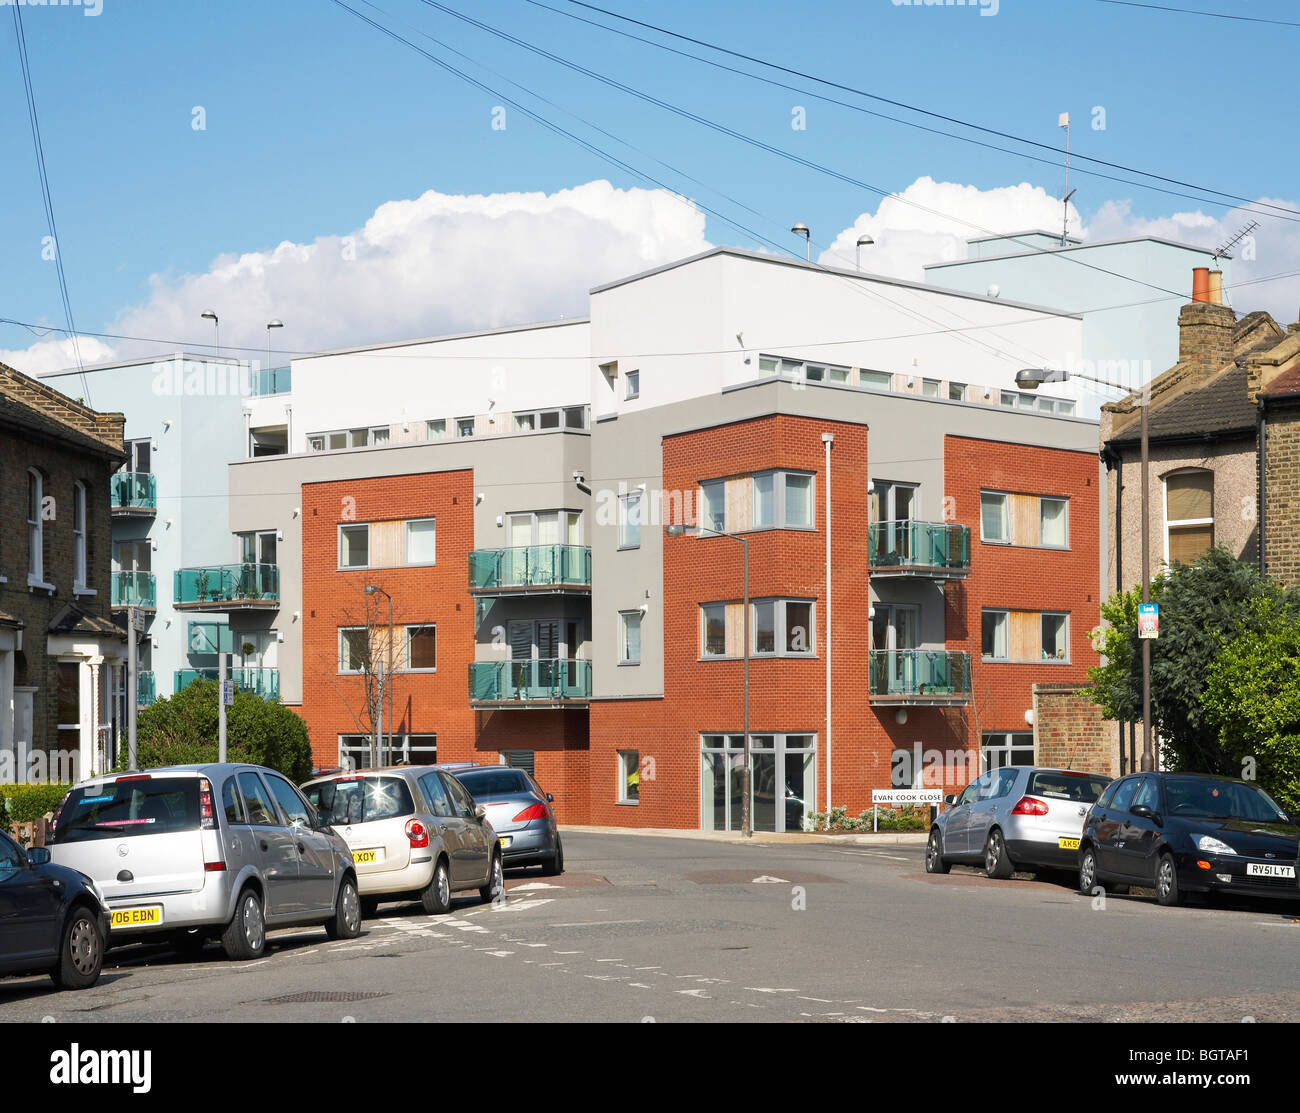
[780, 626]
[341, 642]
[706, 486]
[623, 643]
[1005, 613]
[1185, 523]
[429, 434]
[407, 562]
[461, 435]
[406, 647]
[1005, 496]
[80, 552]
[632, 382]
[353, 567]
[625, 519]
[624, 773]
[1043, 616]
[780, 511]
[35, 528]
[705, 655]
[1065, 502]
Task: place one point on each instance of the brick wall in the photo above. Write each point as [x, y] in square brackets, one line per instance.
[1070, 731]
[1282, 493]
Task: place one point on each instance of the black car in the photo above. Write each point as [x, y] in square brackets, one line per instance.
[1185, 833]
[52, 919]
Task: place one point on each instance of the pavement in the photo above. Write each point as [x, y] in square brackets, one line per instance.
[854, 838]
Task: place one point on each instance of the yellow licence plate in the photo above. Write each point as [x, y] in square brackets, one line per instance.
[363, 857]
[1068, 844]
[137, 917]
[504, 840]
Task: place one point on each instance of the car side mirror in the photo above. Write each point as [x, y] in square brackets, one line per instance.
[950, 799]
[480, 811]
[550, 799]
[1141, 811]
[39, 856]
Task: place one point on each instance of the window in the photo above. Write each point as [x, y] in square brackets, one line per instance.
[261, 812]
[783, 500]
[35, 529]
[894, 502]
[354, 648]
[347, 438]
[1189, 515]
[783, 627]
[1013, 748]
[421, 647]
[1008, 399]
[633, 384]
[713, 630]
[139, 453]
[291, 804]
[713, 505]
[993, 517]
[520, 759]
[464, 426]
[956, 392]
[436, 430]
[232, 804]
[575, 417]
[1054, 523]
[525, 422]
[79, 537]
[414, 749]
[929, 388]
[629, 637]
[420, 536]
[354, 546]
[797, 370]
[437, 796]
[993, 636]
[878, 380]
[629, 521]
[629, 776]
[1055, 631]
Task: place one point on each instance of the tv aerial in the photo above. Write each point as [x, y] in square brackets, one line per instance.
[1232, 241]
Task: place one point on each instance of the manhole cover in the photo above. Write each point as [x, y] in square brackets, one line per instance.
[322, 997]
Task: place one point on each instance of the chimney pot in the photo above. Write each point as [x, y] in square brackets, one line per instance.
[1200, 284]
[1216, 287]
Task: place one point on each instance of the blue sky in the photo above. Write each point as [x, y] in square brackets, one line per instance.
[314, 121]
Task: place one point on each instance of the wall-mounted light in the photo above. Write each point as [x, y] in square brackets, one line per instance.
[644, 608]
[478, 499]
[900, 716]
[279, 535]
[168, 523]
[1029, 717]
[153, 545]
[500, 521]
[167, 424]
[279, 635]
[296, 511]
[297, 615]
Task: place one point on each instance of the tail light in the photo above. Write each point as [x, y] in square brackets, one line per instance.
[417, 833]
[1029, 805]
[207, 817]
[537, 811]
[133, 777]
[54, 819]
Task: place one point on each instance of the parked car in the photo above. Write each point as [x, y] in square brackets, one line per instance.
[1015, 817]
[1186, 832]
[52, 920]
[521, 815]
[188, 853]
[413, 832]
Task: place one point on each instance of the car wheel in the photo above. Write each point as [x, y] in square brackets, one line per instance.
[245, 935]
[1167, 881]
[346, 921]
[81, 955]
[934, 862]
[553, 867]
[1088, 880]
[496, 885]
[997, 862]
[436, 896]
[369, 906]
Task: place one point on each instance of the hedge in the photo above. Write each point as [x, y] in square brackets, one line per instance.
[27, 803]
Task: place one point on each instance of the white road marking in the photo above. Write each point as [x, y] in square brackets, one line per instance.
[594, 923]
[766, 880]
[532, 886]
[695, 993]
[764, 989]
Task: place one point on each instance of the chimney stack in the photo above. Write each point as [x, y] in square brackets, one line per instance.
[1206, 326]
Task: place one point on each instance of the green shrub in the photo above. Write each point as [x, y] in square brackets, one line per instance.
[907, 818]
[27, 803]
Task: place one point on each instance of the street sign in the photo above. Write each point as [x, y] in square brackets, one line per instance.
[138, 620]
[907, 795]
[228, 693]
[1148, 620]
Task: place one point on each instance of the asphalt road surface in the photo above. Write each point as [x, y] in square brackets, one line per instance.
[667, 929]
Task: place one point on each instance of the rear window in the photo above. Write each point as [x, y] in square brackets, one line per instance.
[1067, 786]
[361, 800]
[155, 806]
[485, 785]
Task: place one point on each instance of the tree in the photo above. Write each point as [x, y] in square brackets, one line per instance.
[1252, 698]
[183, 730]
[1201, 604]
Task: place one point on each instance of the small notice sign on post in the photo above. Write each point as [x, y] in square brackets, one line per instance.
[906, 795]
[1148, 620]
[228, 693]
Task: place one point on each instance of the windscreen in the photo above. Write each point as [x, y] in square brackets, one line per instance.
[1205, 798]
[1067, 786]
[351, 800]
[490, 783]
[114, 810]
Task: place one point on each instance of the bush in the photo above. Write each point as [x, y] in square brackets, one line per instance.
[907, 818]
[27, 803]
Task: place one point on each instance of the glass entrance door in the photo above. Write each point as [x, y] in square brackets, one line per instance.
[783, 781]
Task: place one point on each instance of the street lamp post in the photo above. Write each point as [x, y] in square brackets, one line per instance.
[863, 241]
[1031, 378]
[372, 589]
[802, 230]
[208, 315]
[277, 323]
[746, 822]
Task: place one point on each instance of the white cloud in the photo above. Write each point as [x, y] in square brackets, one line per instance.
[55, 355]
[438, 263]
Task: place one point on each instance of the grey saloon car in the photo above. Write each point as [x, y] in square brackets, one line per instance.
[1016, 817]
[188, 853]
[521, 815]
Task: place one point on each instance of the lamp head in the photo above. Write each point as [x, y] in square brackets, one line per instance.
[1031, 378]
[800, 230]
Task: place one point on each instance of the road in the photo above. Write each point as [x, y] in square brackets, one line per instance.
[668, 929]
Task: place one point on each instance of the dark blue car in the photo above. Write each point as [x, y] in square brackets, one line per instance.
[52, 919]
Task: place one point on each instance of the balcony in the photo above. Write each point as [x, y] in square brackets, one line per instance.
[919, 677]
[227, 587]
[270, 380]
[544, 683]
[133, 589]
[146, 691]
[927, 550]
[133, 494]
[528, 569]
[261, 682]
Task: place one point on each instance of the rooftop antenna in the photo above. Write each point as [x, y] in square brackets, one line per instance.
[1233, 240]
[1063, 121]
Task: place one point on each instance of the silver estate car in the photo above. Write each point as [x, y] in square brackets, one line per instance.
[1014, 818]
[413, 832]
[520, 814]
[187, 853]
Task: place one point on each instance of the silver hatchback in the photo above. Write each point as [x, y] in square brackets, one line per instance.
[1012, 818]
[188, 853]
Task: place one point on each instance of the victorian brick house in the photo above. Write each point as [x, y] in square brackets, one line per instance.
[61, 657]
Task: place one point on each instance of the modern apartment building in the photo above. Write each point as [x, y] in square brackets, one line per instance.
[507, 494]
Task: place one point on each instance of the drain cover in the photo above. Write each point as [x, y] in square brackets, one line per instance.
[323, 997]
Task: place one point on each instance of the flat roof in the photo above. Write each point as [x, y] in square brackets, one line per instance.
[561, 323]
[141, 360]
[820, 268]
[1077, 245]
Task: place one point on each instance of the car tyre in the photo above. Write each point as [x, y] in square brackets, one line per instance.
[997, 862]
[436, 896]
[554, 866]
[189, 944]
[245, 935]
[1088, 877]
[81, 953]
[934, 862]
[346, 921]
[1167, 881]
[369, 907]
[496, 884]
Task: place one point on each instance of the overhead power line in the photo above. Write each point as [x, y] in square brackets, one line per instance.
[1198, 11]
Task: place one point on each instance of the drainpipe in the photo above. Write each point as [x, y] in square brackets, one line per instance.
[1260, 449]
[828, 439]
